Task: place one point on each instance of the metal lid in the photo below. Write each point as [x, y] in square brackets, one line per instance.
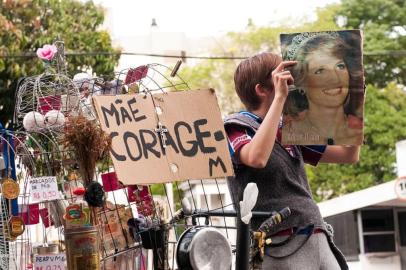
[46, 249]
[210, 250]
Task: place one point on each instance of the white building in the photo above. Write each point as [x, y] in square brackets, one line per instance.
[370, 226]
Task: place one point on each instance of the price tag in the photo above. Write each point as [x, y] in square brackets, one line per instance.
[50, 262]
[44, 189]
[400, 188]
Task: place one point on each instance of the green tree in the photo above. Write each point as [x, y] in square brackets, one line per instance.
[384, 25]
[216, 74]
[26, 25]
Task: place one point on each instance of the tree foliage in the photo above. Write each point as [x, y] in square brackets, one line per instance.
[384, 25]
[217, 75]
[26, 25]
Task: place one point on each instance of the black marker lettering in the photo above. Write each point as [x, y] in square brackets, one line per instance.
[215, 163]
[112, 112]
[193, 150]
[128, 135]
[115, 155]
[124, 115]
[170, 141]
[200, 135]
[135, 111]
[149, 146]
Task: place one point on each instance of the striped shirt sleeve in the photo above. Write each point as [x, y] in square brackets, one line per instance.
[237, 137]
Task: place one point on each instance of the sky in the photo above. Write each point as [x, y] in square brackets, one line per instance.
[203, 18]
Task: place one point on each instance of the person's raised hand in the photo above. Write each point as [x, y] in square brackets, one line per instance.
[282, 78]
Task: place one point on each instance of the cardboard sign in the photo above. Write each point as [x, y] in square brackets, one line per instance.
[44, 189]
[165, 137]
[325, 104]
[113, 227]
[50, 262]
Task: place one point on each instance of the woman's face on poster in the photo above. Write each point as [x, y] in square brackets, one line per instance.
[327, 79]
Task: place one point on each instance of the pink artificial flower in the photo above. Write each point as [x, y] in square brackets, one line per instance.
[47, 52]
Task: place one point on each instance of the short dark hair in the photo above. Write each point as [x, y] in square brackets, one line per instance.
[252, 71]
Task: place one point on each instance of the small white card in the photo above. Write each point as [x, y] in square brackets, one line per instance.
[50, 262]
[400, 188]
[44, 189]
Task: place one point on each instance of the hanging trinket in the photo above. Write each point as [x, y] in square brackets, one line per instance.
[72, 176]
[10, 189]
[17, 226]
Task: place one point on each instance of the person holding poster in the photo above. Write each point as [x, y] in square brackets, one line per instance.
[303, 240]
[325, 105]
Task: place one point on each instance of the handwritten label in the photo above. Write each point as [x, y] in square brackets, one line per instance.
[50, 262]
[400, 188]
[165, 137]
[44, 189]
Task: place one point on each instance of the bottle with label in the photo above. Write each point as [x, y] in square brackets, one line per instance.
[78, 213]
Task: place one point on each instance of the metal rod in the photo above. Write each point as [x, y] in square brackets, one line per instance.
[242, 258]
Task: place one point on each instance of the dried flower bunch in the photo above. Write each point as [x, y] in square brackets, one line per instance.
[89, 143]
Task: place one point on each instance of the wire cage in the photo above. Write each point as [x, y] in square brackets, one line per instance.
[43, 101]
[43, 96]
[138, 225]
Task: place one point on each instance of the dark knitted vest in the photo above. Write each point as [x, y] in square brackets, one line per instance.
[281, 183]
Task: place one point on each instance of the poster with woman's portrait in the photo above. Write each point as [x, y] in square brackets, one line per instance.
[325, 104]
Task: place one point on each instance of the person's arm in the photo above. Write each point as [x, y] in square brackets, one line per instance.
[341, 154]
[256, 153]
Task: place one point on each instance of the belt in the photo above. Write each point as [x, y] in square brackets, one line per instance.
[304, 231]
[308, 231]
